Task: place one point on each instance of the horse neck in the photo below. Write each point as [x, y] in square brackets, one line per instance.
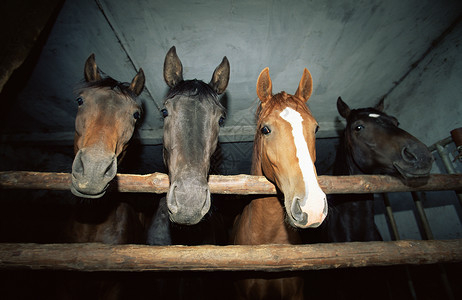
[346, 209]
[94, 212]
[110, 223]
[344, 163]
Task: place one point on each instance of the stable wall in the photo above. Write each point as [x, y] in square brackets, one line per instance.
[427, 104]
[428, 101]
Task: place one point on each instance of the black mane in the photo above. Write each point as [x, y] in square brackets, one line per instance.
[194, 88]
[109, 82]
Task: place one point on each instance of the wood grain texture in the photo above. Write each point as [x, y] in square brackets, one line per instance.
[234, 184]
[270, 258]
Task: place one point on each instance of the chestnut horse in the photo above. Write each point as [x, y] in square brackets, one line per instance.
[284, 152]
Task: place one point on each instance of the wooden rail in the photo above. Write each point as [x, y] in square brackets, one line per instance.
[235, 184]
[270, 258]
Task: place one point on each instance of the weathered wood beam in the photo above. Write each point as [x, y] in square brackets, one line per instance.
[233, 184]
[22, 22]
[270, 258]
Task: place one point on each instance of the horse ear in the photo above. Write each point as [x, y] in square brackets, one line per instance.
[91, 71]
[264, 86]
[380, 105]
[220, 77]
[305, 87]
[173, 69]
[137, 84]
[343, 108]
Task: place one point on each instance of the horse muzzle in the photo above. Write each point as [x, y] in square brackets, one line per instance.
[308, 213]
[91, 173]
[415, 161]
[188, 201]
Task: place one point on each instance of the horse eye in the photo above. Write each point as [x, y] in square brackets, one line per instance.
[137, 115]
[79, 101]
[359, 128]
[317, 128]
[265, 130]
[164, 112]
[221, 121]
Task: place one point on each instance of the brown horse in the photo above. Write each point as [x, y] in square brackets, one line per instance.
[284, 152]
[104, 125]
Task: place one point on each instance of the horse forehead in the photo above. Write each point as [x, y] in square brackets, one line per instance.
[295, 116]
[369, 115]
[190, 104]
[108, 98]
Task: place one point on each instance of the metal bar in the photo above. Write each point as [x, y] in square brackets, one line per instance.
[447, 164]
[394, 228]
[391, 218]
[427, 231]
[428, 234]
[443, 142]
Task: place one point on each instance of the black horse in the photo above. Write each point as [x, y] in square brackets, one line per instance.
[372, 144]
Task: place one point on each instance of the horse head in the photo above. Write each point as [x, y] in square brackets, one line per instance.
[376, 145]
[285, 150]
[104, 124]
[192, 117]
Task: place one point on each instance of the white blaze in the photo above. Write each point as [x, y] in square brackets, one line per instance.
[374, 115]
[314, 203]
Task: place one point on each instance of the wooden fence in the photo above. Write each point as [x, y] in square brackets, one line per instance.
[100, 257]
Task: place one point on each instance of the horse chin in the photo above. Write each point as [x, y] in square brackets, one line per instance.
[412, 176]
[296, 225]
[85, 195]
[183, 221]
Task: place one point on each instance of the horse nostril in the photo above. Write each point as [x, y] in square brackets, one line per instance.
[408, 155]
[172, 205]
[297, 212]
[77, 165]
[206, 205]
[111, 169]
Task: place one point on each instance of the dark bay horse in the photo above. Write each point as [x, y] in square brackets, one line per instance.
[284, 152]
[372, 144]
[105, 122]
[192, 115]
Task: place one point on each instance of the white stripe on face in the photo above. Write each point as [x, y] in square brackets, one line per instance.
[315, 199]
[374, 115]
